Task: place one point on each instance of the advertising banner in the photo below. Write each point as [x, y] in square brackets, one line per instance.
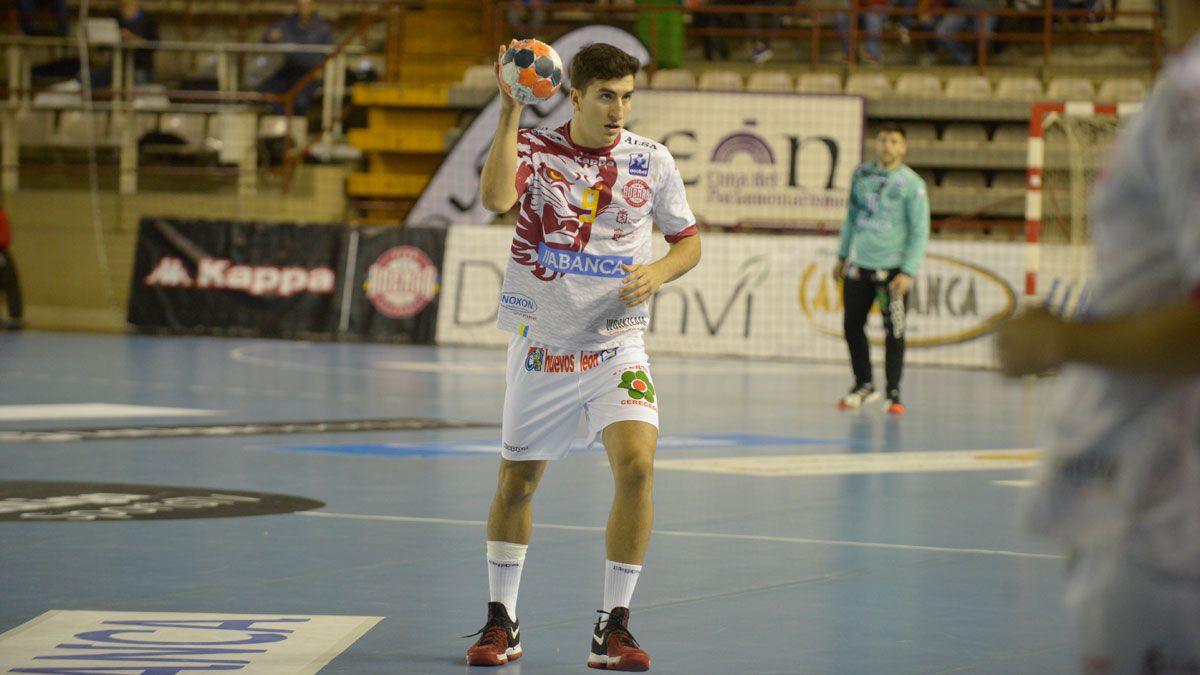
[393, 290]
[269, 279]
[286, 280]
[769, 296]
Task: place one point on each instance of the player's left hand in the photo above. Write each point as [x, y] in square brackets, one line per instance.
[641, 282]
[1031, 343]
[900, 284]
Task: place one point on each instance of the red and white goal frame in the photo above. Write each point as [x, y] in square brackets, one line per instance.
[1035, 165]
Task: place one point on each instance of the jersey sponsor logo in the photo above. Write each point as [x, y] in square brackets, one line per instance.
[625, 324]
[639, 164]
[622, 218]
[619, 234]
[589, 360]
[638, 385]
[636, 193]
[518, 302]
[401, 282]
[535, 359]
[560, 363]
[561, 261]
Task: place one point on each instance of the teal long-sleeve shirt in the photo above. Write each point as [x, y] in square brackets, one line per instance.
[887, 224]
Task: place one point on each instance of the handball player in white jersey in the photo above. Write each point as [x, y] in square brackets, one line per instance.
[576, 301]
[1120, 484]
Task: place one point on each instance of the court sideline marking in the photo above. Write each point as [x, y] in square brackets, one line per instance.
[698, 535]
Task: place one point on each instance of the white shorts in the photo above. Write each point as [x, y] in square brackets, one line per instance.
[549, 388]
[1131, 616]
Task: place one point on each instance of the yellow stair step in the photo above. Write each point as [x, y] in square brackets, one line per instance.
[399, 186]
[429, 96]
[396, 141]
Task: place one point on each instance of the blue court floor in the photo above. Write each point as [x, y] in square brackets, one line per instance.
[789, 537]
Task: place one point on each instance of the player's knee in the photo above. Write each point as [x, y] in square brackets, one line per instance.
[517, 485]
[634, 469]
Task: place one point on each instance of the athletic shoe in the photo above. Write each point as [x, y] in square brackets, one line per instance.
[895, 407]
[858, 397]
[613, 648]
[761, 55]
[499, 641]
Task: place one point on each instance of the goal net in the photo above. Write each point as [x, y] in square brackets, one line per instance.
[1069, 145]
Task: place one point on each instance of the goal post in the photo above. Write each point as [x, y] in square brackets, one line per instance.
[1069, 145]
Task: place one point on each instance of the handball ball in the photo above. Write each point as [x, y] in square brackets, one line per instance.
[530, 71]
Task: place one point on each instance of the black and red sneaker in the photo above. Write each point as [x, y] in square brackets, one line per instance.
[613, 647]
[499, 640]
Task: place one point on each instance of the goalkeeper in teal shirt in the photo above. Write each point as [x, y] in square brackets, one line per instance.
[883, 243]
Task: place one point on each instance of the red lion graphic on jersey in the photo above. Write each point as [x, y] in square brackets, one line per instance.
[562, 221]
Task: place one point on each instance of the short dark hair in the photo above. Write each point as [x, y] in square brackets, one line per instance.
[892, 128]
[600, 61]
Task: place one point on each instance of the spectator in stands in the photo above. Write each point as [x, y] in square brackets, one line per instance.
[527, 22]
[715, 47]
[1119, 485]
[924, 21]
[304, 27]
[871, 20]
[25, 11]
[951, 24]
[755, 21]
[138, 26]
[10, 287]
[1095, 10]
[882, 245]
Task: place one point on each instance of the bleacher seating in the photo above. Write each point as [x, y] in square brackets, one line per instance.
[968, 87]
[770, 81]
[973, 180]
[673, 78]
[720, 80]
[1070, 89]
[968, 134]
[1018, 88]
[1121, 90]
[918, 85]
[819, 83]
[869, 85]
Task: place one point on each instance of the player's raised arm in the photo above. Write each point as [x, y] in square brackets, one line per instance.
[497, 182]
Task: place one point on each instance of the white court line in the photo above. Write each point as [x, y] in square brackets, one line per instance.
[699, 535]
[78, 411]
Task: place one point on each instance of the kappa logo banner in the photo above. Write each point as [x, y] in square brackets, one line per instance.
[163, 643]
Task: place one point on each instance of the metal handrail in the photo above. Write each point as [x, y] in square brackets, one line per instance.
[819, 17]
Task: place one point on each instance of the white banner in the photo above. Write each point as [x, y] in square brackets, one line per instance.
[772, 297]
[744, 157]
[756, 157]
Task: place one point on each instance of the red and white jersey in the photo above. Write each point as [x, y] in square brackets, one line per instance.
[583, 213]
[1125, 446]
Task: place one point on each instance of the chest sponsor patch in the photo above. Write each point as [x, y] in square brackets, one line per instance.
[639, 164]
[636, 193]
[587, 264]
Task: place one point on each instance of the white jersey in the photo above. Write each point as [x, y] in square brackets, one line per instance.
[583, 213]
[1127, 446]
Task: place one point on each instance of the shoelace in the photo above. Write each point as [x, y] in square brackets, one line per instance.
[489, 633]
[623, 635]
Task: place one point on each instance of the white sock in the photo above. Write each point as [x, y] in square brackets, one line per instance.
[504, 562]
[619, 582]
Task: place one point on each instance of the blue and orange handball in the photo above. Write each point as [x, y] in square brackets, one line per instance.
[530, 71]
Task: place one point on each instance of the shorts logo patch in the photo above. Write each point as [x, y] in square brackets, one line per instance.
[638, 384]
[535, 359]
